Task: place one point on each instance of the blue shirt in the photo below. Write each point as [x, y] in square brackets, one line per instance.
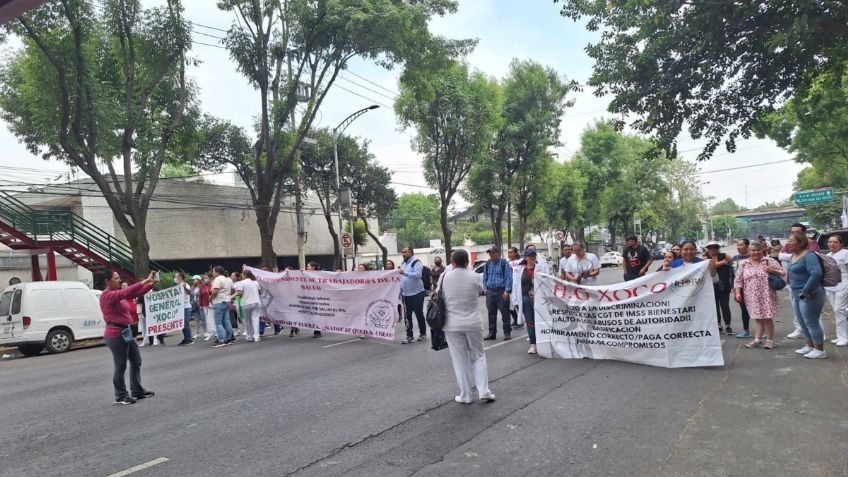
[678, 262]
[805, 274]
[497, 276]
[411, 283]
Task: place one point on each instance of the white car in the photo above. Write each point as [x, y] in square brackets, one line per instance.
[611, 259]
[50, 315]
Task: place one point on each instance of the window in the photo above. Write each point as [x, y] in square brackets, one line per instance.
[16, 302]
[5, 303]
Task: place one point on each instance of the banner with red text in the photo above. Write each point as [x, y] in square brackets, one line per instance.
[662, 319]
[354, 303]
[163, 311]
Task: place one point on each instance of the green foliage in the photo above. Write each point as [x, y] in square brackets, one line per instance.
[104, 87]
[286, 48]
[725, 206]
[455, 114]
[415, 219]
[712, 66]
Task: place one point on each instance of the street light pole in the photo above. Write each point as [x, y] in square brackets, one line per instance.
[336, 132]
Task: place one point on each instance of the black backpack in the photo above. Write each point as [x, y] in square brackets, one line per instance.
[426, 276]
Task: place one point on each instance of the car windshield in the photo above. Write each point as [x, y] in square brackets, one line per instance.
[5, 302]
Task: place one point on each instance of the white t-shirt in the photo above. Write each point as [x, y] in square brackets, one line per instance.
[225, 289]
[575, 266]
[564, 261]
[187, 296]
[249, 291]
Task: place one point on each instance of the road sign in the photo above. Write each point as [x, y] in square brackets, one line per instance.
[815, 196]
[559, 235]
[347, 242]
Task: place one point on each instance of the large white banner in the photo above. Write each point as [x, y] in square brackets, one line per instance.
[662, 319]
[163, 311]
[355, 303]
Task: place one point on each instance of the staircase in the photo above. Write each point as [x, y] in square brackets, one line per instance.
[66, 233]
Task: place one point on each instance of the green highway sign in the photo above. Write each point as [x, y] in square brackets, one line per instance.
[811, 197]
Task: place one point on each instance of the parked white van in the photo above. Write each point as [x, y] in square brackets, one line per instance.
[51, 315]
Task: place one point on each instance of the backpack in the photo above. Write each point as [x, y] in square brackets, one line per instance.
[426, 276]
[831, 275]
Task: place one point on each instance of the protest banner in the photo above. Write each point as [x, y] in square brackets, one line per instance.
[355, 303]
[163, 310]
[662, 319]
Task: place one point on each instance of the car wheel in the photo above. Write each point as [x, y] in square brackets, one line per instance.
[58, 341]
[31, 349]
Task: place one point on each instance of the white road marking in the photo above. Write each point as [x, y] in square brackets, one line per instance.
[514, 338]
[343, 342]
[135, 469]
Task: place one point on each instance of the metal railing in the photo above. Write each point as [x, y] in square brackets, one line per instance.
[63, 225]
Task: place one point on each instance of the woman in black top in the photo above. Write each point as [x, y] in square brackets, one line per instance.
[722, 265]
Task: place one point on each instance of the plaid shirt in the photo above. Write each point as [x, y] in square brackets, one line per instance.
[497, 276]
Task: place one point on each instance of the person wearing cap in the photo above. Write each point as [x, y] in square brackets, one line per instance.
[543, 264]
[721, 269]
[637, 259]
[497, 283]
[584, 268]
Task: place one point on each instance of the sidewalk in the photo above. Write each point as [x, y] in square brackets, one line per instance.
[774, 413]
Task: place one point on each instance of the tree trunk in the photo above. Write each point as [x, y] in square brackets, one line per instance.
[580, 236]
[446, 232]
[522, 231]
[137, 238]
[337, 251]
[496, 219]
[509, 223]
[611, 229]
[376, 240]
[266, 235]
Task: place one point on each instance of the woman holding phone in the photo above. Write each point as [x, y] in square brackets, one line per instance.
[118, 335]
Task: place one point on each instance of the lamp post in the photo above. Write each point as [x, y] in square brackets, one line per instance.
[336, 131]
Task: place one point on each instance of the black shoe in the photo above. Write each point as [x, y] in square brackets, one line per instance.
[316, 334]
[183, 343]
[490, 338]
[517, 327]
[125, 400]
[729, 331]
[291, 335]
[231, 340]
[144, 395]
[422, 337]
[219, 344]
[507, 338]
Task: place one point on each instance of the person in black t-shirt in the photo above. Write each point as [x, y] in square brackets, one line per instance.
[637, 259]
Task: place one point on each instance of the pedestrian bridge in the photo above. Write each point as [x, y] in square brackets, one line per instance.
[769, 214]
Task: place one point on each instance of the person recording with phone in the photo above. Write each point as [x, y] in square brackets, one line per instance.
[118, 334]
[584, 268]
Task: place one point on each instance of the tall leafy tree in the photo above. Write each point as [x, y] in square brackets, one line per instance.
[413, 218]
[106, 87]
[564, 205]
[292, 51]
[713, 67]
[374, 197]
[455, 115]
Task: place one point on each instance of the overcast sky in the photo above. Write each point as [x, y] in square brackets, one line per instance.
[506, 29]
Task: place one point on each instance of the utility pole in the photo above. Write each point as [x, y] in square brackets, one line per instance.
[298, 201]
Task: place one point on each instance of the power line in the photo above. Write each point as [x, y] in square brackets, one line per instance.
[746, 167]
[394, 93]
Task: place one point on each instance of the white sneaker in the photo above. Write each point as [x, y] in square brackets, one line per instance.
[196, 336]
[834, 341]
[488, 397]
[816, 354]
[804, 350]
[795, 334]
[841, 343]
[460, 400]
[244, 333]
[207, 337]
[143, 344]
[155, 342]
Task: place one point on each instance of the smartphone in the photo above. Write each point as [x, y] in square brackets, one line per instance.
[156, 276]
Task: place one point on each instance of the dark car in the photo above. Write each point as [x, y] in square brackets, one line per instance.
[658, 253]
[824, 236]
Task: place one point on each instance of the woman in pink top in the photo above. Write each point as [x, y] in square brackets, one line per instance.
[120, 342]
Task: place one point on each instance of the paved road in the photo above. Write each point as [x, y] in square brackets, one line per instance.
[336, 406]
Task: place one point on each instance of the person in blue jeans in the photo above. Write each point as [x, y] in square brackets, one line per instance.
[805, 274]
[497, 281]
[222, 289]
[187, 339]
[412, 291]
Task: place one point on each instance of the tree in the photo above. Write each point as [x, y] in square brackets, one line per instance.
[106, 87]
[292, 51]
[374, 197]
[413, 218]
[564, 205]
[714, 66]
[455, 115]
[725, 206]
